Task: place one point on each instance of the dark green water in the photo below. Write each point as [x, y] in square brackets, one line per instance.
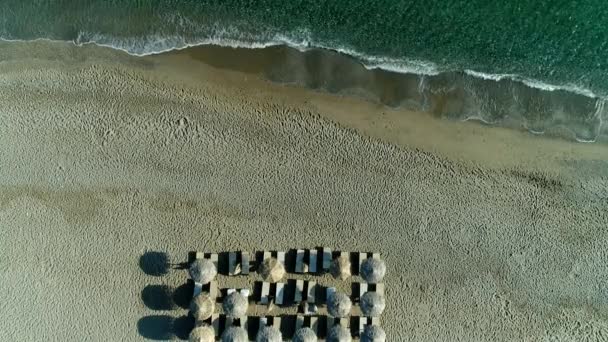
[544, 44]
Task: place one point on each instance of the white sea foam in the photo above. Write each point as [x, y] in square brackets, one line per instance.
[532, 83]
[300, 40]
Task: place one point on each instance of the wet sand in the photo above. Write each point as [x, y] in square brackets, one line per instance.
[490, 234]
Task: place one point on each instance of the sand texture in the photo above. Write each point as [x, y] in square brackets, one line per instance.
[106, 157]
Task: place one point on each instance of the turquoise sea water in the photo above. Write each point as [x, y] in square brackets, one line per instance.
[548, 45]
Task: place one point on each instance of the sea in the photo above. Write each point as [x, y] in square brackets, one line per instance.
[541, 65]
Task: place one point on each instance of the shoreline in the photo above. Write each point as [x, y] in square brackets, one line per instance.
[450, 95]
[502, 100]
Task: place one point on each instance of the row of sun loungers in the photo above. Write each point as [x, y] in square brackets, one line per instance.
[314, 261]
[288, 324]
[299, 291]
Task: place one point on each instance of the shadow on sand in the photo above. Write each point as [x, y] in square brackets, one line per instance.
[158, 297]
[155, 263]
[164, 327]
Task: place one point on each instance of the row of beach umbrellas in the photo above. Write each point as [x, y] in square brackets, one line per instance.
[372, 270]
[235, 305]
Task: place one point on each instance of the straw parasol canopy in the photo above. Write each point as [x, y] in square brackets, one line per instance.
[203, 333]
[235, 305]
[339, 334]
[305, 335]
[340, 268]
[372, 304]
[202, 271]
[272, 270]
[339, 305]
[373, 333]
[235, 334]
[373, 270]
[269, 334]
[202, 306]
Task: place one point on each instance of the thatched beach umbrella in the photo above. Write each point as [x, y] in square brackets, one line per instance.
[339, 333]
[373, 333]
[373, 270]
[272, 270]
[339, 305]
[202, 306]
[372, 304]
[340, 268]
[235, 334]
[235, 305]
[305, 335]
[269, 334]
[202, 333]
[202, 271]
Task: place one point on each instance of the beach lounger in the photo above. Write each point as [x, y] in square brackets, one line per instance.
[276, 322]
[245, 264]
[229, 321]
[329, 322]
[361, 257]
[330, 291]
[362, 323]
[243, 322]
[281, 257]
[299, 322]
[312, 261]
[326, 259]
[362, 289]
[300, 261]
[263, 323]
[214, 258]
[314, 324]
[215, 322]
[345, 322]
[214, 290]
[279, 293]
[312, 292]
[232, 266]
[297, 298]
[265, 296]
[380, 288]
[198, 288]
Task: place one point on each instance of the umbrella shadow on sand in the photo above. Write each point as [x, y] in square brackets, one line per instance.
[161, 297]
[165, 327]
[155, 263]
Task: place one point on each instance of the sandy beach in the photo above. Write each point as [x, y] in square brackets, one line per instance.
[490, 234]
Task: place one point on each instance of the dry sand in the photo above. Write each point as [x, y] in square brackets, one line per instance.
[489, 234]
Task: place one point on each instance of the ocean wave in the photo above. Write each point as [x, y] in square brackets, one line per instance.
[301, 40]
[154, 45]
[532, 83]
